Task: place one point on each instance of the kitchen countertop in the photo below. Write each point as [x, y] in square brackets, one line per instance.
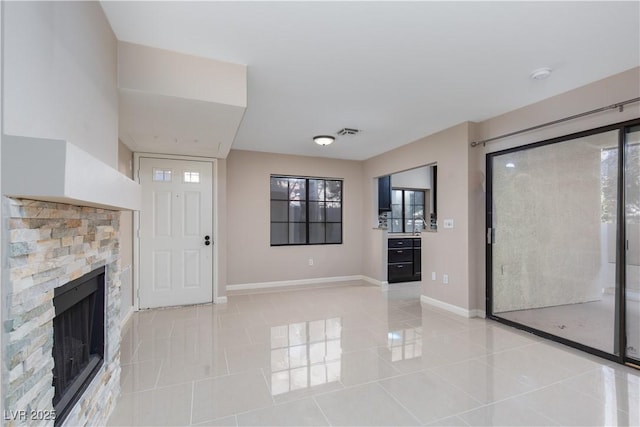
[391, 235]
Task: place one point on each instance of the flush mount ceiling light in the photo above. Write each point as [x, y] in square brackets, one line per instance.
[323, 139]
[540, 73]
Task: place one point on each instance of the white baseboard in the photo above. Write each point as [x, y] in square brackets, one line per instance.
[382, 284]
[479, 313]
[301, 282]
[221, 300]
[452, 308]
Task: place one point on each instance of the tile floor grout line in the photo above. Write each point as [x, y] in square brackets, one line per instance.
[193, 401]
[226, 359]
[399, 403]
[321, 411]
[535, 390]
[269, 389]
[155, 384]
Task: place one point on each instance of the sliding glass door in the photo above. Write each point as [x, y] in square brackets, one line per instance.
[632, 224]
[555, 244]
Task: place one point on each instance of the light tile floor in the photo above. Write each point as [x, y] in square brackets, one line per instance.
[355, 355]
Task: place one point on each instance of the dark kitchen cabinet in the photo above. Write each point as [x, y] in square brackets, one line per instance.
[404, 260]
[384, 194]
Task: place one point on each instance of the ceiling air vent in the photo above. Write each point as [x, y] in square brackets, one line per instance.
[348, 131]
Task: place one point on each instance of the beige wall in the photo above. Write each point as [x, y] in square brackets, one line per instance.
[163, 72]
[447, 250]
[125, 166]
[242, 194]
[250, 258]
[608, 91]
[220, 240]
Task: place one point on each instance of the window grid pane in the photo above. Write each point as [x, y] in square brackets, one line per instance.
[296, 221]
[407, 211]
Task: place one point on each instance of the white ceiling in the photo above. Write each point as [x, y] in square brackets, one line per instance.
[396, 70]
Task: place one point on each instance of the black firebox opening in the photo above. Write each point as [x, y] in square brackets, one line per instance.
[78, 338]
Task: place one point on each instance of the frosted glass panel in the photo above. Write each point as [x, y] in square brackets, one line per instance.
[161, 175]
[192, 177]
[554, 225]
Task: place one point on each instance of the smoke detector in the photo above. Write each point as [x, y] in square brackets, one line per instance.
[540, 73]
[348, 131]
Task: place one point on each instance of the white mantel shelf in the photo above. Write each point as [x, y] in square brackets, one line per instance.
[57, 171]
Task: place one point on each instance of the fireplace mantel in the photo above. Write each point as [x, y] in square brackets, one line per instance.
[57, 171]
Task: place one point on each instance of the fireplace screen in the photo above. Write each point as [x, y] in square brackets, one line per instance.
[78, 338]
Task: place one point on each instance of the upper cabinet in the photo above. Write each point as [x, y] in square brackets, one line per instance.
[384, 194]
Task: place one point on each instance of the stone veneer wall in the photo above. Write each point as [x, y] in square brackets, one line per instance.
[48, 245]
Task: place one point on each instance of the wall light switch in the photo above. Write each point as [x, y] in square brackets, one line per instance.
[445, 278]
[310, 261]
[433, 275]
[447, 223]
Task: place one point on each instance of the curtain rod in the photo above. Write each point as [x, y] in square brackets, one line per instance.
[619, 106]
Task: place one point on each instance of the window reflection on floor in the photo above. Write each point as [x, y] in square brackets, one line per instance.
[405, 344]
[305, 354]
[618, 390]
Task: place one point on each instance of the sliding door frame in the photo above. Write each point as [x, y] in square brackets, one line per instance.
[619, 354]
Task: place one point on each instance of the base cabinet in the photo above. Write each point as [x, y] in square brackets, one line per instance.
[404, 260]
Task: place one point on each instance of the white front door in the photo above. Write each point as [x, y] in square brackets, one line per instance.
[176, 240]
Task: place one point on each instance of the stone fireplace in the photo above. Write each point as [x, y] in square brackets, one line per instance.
[48, 245]
[78, 338]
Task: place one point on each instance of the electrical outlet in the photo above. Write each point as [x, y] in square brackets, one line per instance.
[447, 223]
[310, 261]
[445, 278]
[433, 275]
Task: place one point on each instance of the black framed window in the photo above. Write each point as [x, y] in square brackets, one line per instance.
[407, 210]
[306, 211]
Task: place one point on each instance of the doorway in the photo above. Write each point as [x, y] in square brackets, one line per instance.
[563, 239]
[175, 232]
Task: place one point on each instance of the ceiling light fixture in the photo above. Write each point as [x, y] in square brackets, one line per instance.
[510, 165]
[540, 73]
[323, 139]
